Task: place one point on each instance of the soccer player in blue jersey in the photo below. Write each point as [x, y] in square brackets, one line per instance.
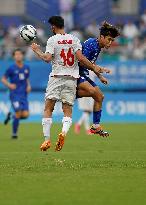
[86, 87]
[16, 78]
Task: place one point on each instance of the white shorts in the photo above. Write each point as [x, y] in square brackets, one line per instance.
[61, 88]
[86, 104]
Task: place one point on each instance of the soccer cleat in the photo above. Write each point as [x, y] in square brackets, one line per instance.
[88, 132]
[14, 136]
[99, 130]
[77, 128]
[60, 142]
[46, 145]
[8, 118]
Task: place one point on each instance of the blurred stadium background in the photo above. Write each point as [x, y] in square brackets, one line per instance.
[125, 97]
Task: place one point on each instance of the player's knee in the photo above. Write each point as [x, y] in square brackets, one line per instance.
[18, 115]
[25, 115]
[99, 97]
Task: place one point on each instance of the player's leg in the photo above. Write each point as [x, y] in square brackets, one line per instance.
[8, 118]
[66, 124]
[87, 122]
[97, 111]
[77, 127]
[15, 124]
[67, 119]
[68, 95]
[24, 114]
[78, 124]
[86, 105]
[85, 89]
[24, 109]
[51, 96]
[89, 89]
[16, 117]
[46, 123]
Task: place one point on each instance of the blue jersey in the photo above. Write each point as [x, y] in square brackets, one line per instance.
[19, 77]
[91, 50]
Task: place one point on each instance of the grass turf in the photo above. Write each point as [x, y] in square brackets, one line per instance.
[89, 169]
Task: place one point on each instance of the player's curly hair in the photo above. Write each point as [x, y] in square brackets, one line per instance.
[109, 30]
[57, 21]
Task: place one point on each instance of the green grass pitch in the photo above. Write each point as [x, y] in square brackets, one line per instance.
[88, 171]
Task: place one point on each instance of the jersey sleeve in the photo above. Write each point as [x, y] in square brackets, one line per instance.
[77, 45]
[87, 49]
[8, 73]
[50, 46]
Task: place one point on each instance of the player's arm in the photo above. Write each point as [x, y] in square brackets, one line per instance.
[90, 66]
[102, 78]
[28, 89]
[47, 57]
[5, 81]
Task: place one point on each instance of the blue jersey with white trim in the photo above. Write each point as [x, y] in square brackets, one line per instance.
[18, 76]
[91, 50]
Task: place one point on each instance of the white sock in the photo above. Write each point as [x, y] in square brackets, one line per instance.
[67, 122]
[46, 123]
[86, 121]
[81, 120]
[96, 125]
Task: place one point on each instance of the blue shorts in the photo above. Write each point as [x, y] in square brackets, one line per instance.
[83, 79]
[20, 104]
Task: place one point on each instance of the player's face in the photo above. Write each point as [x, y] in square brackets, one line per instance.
[107, 41]
[18, 56]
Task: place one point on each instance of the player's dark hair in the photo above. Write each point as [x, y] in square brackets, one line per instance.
[17, 49]
[57, 21]
[109, 30]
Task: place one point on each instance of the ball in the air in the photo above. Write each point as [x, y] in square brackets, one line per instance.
[28, 33]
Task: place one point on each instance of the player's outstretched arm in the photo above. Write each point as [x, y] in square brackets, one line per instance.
[85, 62]
[47, 57]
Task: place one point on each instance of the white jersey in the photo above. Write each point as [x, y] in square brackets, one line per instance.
[63, 48]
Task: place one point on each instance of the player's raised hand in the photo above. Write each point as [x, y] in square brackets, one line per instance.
[35, 47]
[11, 86]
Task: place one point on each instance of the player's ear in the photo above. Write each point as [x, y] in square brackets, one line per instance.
[53, 27]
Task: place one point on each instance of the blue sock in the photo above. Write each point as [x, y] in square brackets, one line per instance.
[96, 117]
[15, 125]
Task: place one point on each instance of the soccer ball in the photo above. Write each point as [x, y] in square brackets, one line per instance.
[28, 33]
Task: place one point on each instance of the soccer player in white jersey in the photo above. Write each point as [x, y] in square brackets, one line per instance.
[64, 50]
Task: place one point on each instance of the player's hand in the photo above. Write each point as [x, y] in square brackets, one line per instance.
[105, 70]
[103, 80]
[28, 89]
[12, 86]
[35, 47]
